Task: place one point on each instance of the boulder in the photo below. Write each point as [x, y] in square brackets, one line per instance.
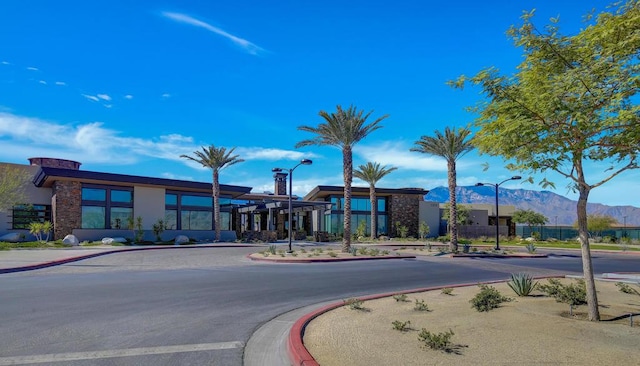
[12, 237]
[119, 239]
[181, 239]
[71, 240]
[107, 241]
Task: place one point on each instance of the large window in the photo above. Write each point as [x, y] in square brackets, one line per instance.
[190, 211]
[360, 212]
[106, 207]
[23, 215]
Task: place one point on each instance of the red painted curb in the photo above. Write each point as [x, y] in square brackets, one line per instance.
[325, 260]
[471, 255]
[299, 354]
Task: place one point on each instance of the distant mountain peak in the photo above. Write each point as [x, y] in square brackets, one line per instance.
[552, 205]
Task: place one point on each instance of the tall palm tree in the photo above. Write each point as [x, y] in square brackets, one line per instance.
[451, 145]
[215, 158]
[343, 129]
[372, 173]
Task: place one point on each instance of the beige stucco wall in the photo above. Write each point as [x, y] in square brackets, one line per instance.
[148, 203]
[35, 195]
[430, 214]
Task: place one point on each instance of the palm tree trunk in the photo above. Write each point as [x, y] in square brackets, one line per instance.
[347, 166]
[216, 203]
[374, 211]
[453, 209]
[587, 267]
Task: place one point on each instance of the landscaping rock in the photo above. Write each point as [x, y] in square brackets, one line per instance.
[181, 239]
[11, 237]
[71, 240]
[107, 241]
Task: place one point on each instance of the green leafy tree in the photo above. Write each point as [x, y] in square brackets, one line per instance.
[372, 173]
[572, 101]
[530, 218]
[450, 145]
[596, 224]
[13, 183]
[216, 159]
[343, 129]
[423, 230]
[463, 213]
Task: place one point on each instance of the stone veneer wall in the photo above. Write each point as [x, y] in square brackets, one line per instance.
[66, 203]
[406, 209]
[55, 163]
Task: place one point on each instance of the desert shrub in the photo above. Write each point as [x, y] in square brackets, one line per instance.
[401, 326]
[354, 303]
[362, 251]
[400, 298]
[303, 251]
[402, 230]
[158, 229]
[623, 287]
[531, 248]
[447, 291]
[361, 230]
[437, 341]
[522, 284]
[488, 298]
[353, 251]
[443, 239]
[420, 305]
[272, 249]
[374, 252]
[573, 294]
[385, 252]
[332, 254]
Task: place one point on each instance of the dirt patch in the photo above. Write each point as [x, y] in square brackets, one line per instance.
[526, 331]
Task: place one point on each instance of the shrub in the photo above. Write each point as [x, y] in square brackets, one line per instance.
[272, 249]
[303, 251]
[353, 251]
[522, 284]
[332, 254]
[401, 326]
[531, 248]
[488, 298]
[362, 251]
[361, 230]
[623, 287]
[420, 306]
[447, 291]
[374, 252]
[385, 252]
[402, 230]
[400, 298]
[158, 229]
[572, 294]
[354, 303]
[295, 254]
[437, 341]
[465, 248]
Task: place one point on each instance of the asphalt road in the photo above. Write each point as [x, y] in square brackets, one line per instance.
[199, 307]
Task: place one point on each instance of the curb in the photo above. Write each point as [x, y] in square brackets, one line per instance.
[299, 354]
[326, 260]
[58, 262]
[498, 256]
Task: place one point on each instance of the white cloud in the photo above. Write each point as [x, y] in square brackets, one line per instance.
[177, 177]
[398, 155]
[91, 97]
[6, 63]
[270, 154]
[249, 47]
[61, 83]
[31, 68]
[42, 82]
[108, 105]
[89, 142]
[104, 97]
[166, 95]
[128, 96]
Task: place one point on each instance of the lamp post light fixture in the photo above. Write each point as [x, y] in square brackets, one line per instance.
[496, 185]
[277, 170]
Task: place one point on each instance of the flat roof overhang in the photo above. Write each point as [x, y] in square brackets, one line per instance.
[320, 192]
[283, 206]
[46, 176]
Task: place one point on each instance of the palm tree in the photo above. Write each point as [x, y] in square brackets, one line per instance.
[343, 129]
[215, 158]
[451, 145]
[372, 173]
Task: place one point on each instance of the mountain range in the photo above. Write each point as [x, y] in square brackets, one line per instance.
[552, 205]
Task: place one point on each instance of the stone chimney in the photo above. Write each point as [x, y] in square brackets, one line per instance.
[55, 163]
[280, 187]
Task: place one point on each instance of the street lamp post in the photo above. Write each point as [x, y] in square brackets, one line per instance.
[496, 185]
[277, 170]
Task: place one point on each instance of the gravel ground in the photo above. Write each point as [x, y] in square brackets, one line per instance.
[527, 331]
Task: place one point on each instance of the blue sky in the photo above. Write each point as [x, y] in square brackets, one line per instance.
[128, 86]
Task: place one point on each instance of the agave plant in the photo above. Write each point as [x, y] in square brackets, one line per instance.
[522, 284]
[531, 248]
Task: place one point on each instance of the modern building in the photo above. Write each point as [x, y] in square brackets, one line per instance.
[92, 205]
